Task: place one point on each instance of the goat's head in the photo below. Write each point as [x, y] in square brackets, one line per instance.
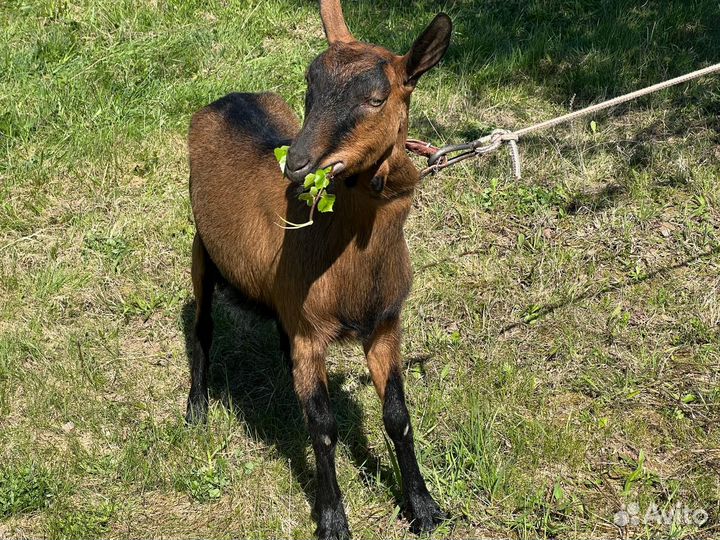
[356, 106]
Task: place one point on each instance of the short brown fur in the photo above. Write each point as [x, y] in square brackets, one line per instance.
[347, 275]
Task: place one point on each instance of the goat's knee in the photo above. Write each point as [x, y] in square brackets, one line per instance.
[320, 419]
[395, 414]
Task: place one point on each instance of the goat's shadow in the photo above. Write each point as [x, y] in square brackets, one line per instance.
[250, 376]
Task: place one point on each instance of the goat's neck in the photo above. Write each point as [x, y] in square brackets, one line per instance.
[392, 178]
[376, 202]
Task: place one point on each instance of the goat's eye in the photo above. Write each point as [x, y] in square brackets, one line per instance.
[375, 102]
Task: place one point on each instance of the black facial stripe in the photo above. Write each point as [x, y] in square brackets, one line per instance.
[337, 103]
[371, 82]
[343, 127]
[327, 79]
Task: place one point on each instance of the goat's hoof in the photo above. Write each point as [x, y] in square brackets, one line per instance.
[197, 411]
[332, 524]
[424, 513]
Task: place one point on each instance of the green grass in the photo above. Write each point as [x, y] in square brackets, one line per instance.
[562, 339]
[25, 489]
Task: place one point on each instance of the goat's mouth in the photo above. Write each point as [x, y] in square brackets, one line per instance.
[299, 176]
[337, 168]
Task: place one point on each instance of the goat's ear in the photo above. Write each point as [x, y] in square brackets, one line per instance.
[334, 22]
[428, 49]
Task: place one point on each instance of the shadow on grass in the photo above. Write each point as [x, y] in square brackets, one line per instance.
[550, 308]
[571, 52]
[574, 48]
[597, 201]
[250, 375]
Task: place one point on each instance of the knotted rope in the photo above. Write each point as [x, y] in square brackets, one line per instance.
[439, 158]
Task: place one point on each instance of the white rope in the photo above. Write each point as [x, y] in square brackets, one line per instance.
[511, 137]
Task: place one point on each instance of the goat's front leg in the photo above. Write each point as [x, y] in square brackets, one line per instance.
[310, 379]
[383, 357]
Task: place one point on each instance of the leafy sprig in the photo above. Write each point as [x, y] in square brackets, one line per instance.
[314, 190]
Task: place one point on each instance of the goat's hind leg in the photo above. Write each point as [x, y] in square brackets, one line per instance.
[204, 278]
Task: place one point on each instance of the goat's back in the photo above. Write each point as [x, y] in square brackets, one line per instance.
[236, 186]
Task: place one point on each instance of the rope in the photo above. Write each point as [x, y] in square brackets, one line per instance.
[490, 143]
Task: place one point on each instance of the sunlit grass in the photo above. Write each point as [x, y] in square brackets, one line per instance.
[562, 338]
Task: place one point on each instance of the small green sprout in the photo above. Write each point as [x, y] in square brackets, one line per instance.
[281, 156]
[314, 190]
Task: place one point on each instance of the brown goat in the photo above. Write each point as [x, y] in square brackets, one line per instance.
[347, 275]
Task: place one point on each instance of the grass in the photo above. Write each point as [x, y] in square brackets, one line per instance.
[25, 489]
[562, 339]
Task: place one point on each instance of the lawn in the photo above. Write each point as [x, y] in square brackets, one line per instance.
[562, 339]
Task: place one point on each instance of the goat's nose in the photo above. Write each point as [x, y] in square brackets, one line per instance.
[296, 162]
[297, 166]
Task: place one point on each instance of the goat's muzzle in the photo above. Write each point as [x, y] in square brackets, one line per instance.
[297, 168]
[298, 165]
